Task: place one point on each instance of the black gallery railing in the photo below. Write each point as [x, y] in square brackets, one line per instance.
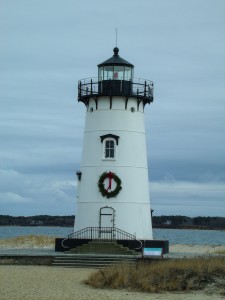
[91, 87]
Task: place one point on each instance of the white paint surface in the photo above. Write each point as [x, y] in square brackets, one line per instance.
[132, 205]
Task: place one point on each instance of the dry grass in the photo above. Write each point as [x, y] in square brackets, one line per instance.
[220, 252]
[161, 276]
[28, 241]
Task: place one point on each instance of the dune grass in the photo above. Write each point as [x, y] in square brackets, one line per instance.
[27, 241]
[220, 252]
[161, 276]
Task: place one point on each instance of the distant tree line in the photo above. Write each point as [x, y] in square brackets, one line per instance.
[42, 220]
[157, 221]
[187, 222]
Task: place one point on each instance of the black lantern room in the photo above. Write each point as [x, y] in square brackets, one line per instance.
[115, 75]
[115, 78]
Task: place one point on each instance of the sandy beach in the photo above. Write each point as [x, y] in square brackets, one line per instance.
[46, 242]
[196, 249]
[45, 283]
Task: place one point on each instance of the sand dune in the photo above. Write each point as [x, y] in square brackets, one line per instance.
[28, 242]
[196, 249]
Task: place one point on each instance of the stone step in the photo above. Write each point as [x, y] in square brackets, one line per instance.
[91, 261]
[102, 251]
[86, 265]
[102, 247]
[114, 258]
[95, 258]
[89, 265]
[96, 254]
[91, 247]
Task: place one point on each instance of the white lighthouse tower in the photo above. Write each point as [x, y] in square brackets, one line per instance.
[113, 187]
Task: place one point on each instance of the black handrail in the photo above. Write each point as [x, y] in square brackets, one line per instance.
[102, 233]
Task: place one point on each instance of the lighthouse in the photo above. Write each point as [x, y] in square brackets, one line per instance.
[112, 183]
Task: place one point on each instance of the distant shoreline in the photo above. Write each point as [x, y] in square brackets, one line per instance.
[154, 227]
[158, 222]
[188, 227]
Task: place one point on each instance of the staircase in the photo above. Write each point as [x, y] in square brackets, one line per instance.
[103, 247]
[96, 254]
[90, 261]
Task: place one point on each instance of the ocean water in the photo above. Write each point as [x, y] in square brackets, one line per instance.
[14, 231]
[188, 236]
[175, 236]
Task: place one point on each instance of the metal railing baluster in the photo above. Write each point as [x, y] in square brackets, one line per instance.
[102, 233]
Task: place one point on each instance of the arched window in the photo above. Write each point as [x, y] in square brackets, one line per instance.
[110, 142]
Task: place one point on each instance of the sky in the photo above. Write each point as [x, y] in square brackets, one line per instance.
[46, 46]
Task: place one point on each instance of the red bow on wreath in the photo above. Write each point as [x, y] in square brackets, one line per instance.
[110, 176]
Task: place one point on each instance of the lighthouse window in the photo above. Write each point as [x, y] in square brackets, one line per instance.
[109, 149]
[110, 143]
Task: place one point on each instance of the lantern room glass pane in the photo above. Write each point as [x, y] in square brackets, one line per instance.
[108, 73]
[118, 73]
[128, 74]
[101, 74]
[115, 73]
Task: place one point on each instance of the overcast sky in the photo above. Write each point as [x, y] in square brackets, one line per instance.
[46, 46]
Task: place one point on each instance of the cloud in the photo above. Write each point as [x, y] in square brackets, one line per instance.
[172, 197]
[36, 194]
[46, 48]
[10, 198]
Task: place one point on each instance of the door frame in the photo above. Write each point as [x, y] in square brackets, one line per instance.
[101, 213]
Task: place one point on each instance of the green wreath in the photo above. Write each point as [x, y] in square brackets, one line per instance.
[105, 192]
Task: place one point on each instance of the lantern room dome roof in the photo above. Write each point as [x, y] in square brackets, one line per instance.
[116, 60]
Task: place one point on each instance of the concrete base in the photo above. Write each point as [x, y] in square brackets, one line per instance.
[64, 244]
[26, 260]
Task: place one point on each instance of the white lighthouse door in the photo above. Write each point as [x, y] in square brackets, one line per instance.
[107, 222]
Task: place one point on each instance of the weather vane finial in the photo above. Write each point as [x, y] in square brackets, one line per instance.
[116, 37]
